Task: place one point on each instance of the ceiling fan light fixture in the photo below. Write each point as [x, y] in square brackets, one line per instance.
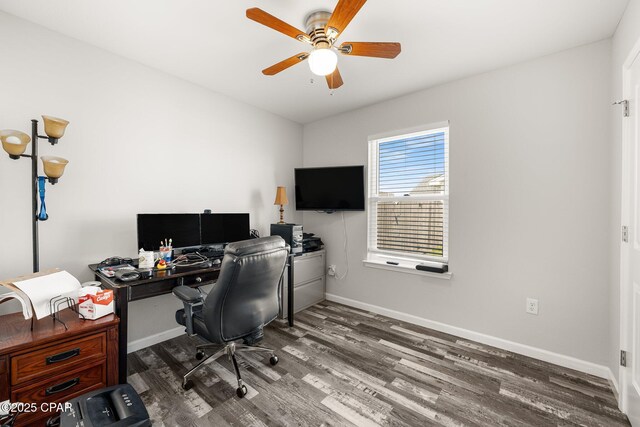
[323, 61]
[322, 29]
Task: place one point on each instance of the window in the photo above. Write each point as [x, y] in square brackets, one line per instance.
[409, 196]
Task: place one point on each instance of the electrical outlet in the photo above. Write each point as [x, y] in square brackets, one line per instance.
[331, 271]
[532, 306]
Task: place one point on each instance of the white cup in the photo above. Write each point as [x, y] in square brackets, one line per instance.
[145, 259]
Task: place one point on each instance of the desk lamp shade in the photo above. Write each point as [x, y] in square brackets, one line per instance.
[281, 199]
[14, 142]
[54, 127]
[281, 196]
[53, 167]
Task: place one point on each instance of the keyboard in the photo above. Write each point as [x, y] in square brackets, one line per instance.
[213, 254]
[210, 253]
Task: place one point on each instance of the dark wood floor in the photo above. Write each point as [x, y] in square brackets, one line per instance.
[342, 366]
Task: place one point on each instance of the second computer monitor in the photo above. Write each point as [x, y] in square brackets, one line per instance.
[218, 228]
[155, 230]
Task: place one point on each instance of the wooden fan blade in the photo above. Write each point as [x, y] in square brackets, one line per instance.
[343, 14]
[373, 49]
[262, 17]
[283, 65]
[334, 80]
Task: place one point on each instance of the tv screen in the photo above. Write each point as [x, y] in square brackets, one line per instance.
[330, 189]
[183, 229]
[224, 228]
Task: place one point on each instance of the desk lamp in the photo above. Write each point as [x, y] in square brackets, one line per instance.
[281, 199]
[15, 144]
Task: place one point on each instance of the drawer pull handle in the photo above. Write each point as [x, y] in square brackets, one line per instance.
[63, 356]
[62, 387]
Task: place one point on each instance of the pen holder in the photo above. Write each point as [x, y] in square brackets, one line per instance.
[165, 253]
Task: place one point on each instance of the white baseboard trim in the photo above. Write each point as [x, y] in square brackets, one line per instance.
[526, 350]
[154, 339]
[613, 381]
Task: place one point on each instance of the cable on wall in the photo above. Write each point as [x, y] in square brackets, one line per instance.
[346, 252]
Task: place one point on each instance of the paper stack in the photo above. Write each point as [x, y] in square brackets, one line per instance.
[35, 291]
[26, 305]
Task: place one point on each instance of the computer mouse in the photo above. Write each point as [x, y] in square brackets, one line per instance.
[216, 262]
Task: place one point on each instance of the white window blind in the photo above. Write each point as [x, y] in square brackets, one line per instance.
[409, 195]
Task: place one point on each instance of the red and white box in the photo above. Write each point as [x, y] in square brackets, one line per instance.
[94, 302]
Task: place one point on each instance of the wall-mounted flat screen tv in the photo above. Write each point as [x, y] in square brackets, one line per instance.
[330, 189]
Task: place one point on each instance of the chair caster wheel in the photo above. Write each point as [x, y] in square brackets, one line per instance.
[241, 391]
[187, 385]
[274, 360]
[200, 355]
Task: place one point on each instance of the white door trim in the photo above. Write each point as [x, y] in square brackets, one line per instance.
[625, 283]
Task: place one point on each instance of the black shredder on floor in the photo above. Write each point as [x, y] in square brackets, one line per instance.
[116, 406]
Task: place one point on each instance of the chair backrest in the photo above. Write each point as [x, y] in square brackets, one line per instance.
[245, 297]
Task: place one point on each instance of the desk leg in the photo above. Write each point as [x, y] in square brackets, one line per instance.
[122, 310]
[290, 291]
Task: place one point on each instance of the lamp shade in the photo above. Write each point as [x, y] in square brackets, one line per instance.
[323, 61]
[281, 196]
[54, 127]
[54, 166]
[14, 142]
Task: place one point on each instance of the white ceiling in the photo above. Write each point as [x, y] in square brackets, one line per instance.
[213, 44]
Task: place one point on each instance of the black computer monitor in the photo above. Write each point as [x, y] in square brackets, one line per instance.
[183, 229]
[219, 228]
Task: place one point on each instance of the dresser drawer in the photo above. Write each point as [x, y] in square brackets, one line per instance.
[57, 358]
[308, 294]
[308, 267]
[62, 386]
[59, 389]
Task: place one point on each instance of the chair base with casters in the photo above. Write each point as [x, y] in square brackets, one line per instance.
[230, 350]
[231, 318]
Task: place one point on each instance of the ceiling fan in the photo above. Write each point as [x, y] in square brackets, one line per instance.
[323, 29]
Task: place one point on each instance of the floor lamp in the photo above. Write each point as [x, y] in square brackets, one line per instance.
[15, 144]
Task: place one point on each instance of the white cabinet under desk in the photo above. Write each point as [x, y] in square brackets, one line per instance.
[309, 282]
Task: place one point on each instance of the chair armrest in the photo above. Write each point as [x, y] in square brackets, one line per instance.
[190, 298]
[187, 294]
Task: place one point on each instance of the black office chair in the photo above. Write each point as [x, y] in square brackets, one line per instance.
[243, 300]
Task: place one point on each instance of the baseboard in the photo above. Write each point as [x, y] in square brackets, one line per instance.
[526, 350]
[154, 339]
[613, 381]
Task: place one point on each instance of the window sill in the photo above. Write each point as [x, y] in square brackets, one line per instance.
[405, 269]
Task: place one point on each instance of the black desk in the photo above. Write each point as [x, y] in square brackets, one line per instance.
[160, 284]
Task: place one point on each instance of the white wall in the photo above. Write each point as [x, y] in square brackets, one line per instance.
[626, 36]
[530, 183]
[139, 141]
[528, 158]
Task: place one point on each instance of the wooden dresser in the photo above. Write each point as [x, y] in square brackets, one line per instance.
[51, 364]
